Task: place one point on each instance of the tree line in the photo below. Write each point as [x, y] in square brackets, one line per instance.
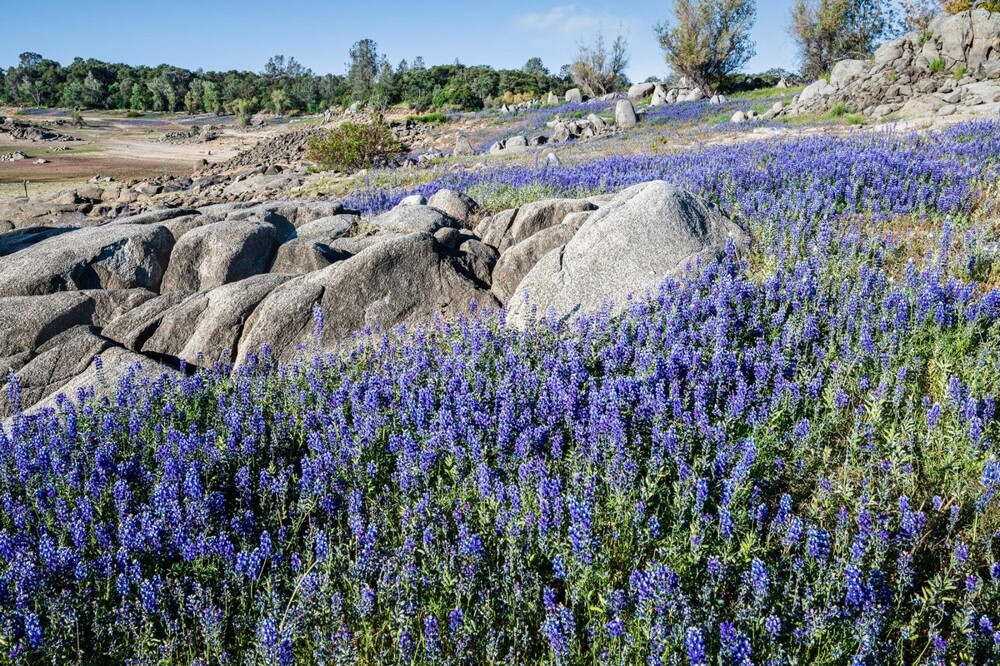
[707, 41]
[283, 86]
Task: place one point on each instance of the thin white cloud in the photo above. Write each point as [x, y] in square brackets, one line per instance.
[555, 32]
[569, 21]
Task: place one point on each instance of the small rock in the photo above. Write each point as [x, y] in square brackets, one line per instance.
[413, 200]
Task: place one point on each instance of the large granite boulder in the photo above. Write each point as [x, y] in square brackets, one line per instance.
[641, 90]
[457, 205]
[510, 227]
[647, 233]
[54, 363]
[303, 255]
[399, 281]
[328, 228]
[516, 262]
[21, 239]
[28, 322]
[206, 327]
[217, 254]
[122, 256]
[625, 115]
[133, 328]
[410, 219]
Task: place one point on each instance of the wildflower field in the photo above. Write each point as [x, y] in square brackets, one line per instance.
[789, 456]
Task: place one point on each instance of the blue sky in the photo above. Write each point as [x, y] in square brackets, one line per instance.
[243, 35]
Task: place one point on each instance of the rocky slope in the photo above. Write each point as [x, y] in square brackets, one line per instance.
[952, 67]
[192, 287]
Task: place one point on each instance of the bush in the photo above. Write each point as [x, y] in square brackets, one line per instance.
[956, 6]
[961, 72]
[428, 118]
[937, 65]
[243, 109]
[194, 130]
[134, 114]
[355, 146]
[839, 109]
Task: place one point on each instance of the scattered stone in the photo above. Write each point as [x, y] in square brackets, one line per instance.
[413, 200]
[463, 146]
[625, 116]
[641, 90]
[455, 204]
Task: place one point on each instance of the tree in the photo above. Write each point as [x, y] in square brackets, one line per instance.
[598, 69]
[194, 97]
[535, 67]
[917, 14]
[710, 39]
[211, 97]
[363, 69]
[827, 31]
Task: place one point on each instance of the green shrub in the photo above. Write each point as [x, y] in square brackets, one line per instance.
[243, 109]
[77, 119]
[855, 119]
[839, 109]
[134, 114]
[961, 72]
[355, 146]
[429, 118]
[937, 65]
[194, 130]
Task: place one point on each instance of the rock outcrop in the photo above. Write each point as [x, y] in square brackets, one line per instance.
[308, 276]
[952, 67]
[110, 257]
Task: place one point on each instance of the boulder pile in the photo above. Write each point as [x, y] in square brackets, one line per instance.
[952, 67]
[563, 129]
[185, 288]
[684, 91]
[11, 129]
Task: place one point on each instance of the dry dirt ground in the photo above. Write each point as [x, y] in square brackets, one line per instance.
[114, 145]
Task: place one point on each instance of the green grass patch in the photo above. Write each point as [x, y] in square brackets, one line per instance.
[767, 93]
[838, 111]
